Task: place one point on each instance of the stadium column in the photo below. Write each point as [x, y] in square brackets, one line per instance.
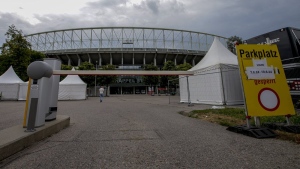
[154, 59]
[69, 60]
[79, 61]
[133, 59]
[110, 60]
[100, 59]
[175, 60]
[166, 58]
[184, 61]
[194, 61]
[89, 58]
[122, 59]
[144, 59]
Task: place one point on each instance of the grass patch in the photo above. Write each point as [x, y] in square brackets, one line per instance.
[236, 116]
[226, 117]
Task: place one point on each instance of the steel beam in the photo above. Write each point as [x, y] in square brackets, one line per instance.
[121, 72]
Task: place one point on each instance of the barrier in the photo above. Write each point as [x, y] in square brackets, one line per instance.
[253, 131]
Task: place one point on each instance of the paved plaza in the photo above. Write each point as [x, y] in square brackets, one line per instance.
[142, 131]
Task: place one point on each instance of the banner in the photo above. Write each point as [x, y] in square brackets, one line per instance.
[265, 86]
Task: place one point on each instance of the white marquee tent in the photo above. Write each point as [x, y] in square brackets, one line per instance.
[72, 88]
[10, 85]
[23, 88]
[216, 79]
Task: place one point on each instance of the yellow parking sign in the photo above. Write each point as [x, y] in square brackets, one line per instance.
[265, 87]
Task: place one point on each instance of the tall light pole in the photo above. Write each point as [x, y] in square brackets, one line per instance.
[96, 80]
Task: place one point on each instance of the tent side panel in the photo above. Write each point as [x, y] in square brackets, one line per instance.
[183, 89]
[23, 91]
[232, 87]
[63, 92]
[205, 87]
[9, 91]
[72, 92]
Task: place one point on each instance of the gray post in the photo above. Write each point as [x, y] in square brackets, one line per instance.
[257, 121]
[188, 90]
[288, 121]
[169, 91]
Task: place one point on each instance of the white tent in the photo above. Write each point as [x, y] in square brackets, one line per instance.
[23, 88]
[216, 79]
[9, 85]
[72, 88]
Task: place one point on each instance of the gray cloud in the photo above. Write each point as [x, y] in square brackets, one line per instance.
[225, 18]
[153, 5]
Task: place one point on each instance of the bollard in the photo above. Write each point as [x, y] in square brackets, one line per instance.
[36, 70]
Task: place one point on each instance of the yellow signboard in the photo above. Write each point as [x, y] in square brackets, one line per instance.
[265, 87]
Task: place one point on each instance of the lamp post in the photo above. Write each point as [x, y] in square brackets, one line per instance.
[96, 80]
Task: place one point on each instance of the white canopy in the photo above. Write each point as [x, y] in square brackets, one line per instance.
[217, 54]
[72, 79]
[216, 78]
[72, 88]
[10, 76]
[10, 85]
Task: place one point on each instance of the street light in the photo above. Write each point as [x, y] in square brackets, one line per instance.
[96, 80]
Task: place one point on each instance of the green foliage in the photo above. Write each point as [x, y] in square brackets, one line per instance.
[16, 52]
[173, 80]
[35, 56]
[230, 43]
[106, 80]
[151, 80]
[280, 119]
[169, 65]
[88, 79]
[239, 113]
[231, 112]
[64, 67]
[184, 66]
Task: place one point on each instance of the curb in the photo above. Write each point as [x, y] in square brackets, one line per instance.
[15, 139]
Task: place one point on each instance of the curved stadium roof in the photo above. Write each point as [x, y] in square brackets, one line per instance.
[123, 45]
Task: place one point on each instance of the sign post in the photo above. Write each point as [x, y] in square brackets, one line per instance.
[266, 92]
[264, 81]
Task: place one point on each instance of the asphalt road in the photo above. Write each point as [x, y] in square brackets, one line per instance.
[143, 132]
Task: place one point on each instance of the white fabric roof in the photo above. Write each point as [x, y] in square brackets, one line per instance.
[217, 54]
[10, 76]
[72, 79]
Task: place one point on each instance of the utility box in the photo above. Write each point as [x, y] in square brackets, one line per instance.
[54, 88]
[44, 86]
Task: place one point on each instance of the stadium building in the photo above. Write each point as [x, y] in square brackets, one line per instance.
[124, 47]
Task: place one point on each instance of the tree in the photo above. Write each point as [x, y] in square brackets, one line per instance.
[35, 55]
[184, 67]
[16, 52]
[106, 80]
[169, 65]
[231, 42]
[64, 67]
[151, 80]
[89, 80]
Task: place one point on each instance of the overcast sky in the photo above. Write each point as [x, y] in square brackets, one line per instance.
[243, 18]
